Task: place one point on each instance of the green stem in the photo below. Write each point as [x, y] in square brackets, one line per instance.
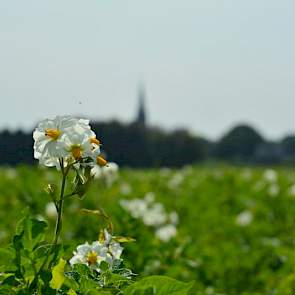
[59, 207]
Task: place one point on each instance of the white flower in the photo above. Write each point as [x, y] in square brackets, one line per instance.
[273, 190]
[108, 173]
[49, 138]
[166, 232]
[50, 210]
[291, 190]
[114, 247]
[125, 189]
[173, 217]
[270, 175]
[91, 255]
[244, 218]
[106, 249]
[149, 197]
[176, 181]
[78, 143]
[64, 138]
[155, 215]
[135, 207]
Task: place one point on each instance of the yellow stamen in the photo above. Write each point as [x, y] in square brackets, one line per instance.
[101, 161]
[76, 151]
[92, 258]
[94, 140]
[52, 133]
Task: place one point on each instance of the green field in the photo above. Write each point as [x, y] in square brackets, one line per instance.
[235, 229]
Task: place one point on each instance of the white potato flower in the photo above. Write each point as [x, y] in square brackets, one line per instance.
[270, 175]
[244, 218]
[135, 207]
[291, 190]
[78, 143]
[155, 215]
[91, 255]
[166, 232]
[50, 210]
[64, 138]
[108, 173]
[49, 138]
[114, 248]
[273, 190]
[106, 249]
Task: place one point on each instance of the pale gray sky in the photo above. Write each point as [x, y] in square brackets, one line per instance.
[207, 64]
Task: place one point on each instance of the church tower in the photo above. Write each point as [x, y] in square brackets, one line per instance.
[141, 114]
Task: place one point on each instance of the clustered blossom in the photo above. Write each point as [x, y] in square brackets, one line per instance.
[108, 174]
[68, 140]
[106, 249]
[244, 218]
[153, 214]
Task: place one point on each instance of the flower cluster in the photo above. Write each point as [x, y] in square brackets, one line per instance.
[108, 174]
[106, 249]
[65, 140]
[153, 214]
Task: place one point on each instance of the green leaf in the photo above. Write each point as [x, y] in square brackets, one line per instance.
[71, 283]
[120, 239]
[58, 276]
[6, 258]
[160, 285]
[6, 290]
[87, 284]
[104, 266]
[32, 232]
[18, 246]
[82, 269]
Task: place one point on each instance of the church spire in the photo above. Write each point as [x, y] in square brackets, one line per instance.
[141, 115]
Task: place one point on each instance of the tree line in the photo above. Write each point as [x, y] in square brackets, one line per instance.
[135, 145]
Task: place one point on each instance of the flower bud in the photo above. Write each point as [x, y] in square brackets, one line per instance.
[101, 161]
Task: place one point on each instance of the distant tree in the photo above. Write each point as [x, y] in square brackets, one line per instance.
[176, 148]
[288, 145]
[239, 144]
[269, 153]
[288, 148]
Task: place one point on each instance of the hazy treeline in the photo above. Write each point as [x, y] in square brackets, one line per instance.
[135, 145]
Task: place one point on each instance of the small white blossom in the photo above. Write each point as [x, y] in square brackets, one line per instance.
[108, 173]
[291, 190]
[273, 190]
[149, 197]
[270, 175]
[93, 254]
[175, 181]
[125, 189]
[173, 217]
[50, 210]
[166, 232]
[244, 218]
[155, 215]
[114, 247]
[135, 207]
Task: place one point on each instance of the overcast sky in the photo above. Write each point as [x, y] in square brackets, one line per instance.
[206, 64]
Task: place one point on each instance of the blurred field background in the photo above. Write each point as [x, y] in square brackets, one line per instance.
[235, 228]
